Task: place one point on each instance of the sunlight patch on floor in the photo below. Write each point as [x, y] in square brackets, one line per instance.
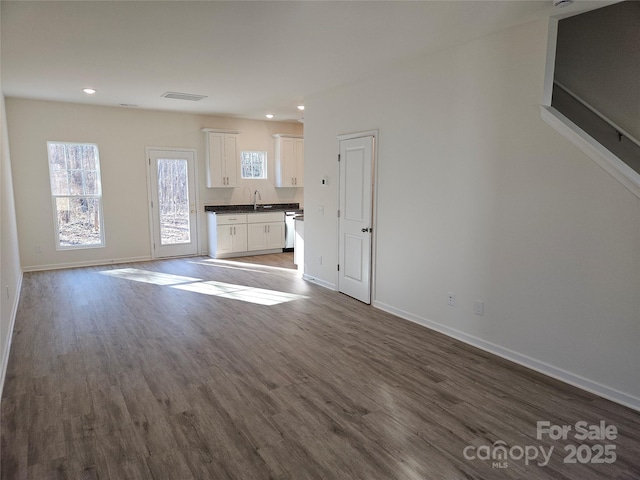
[260, 296]
[217, 262]
[232, 291]
[145, 276]
[233, 267]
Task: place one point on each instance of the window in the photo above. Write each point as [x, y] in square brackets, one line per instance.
[254, 164]
[74, 171]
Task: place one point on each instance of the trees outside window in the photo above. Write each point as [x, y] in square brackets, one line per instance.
[76, 190]
[254, 164]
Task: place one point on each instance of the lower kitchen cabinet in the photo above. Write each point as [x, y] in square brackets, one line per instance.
[231, 238]
[233, 235]
[265, 231]
[262, 236]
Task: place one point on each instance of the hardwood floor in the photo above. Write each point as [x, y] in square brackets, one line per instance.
[201, 369]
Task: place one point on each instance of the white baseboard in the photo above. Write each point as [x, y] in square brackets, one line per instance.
[88, 263]
[317, 281]
[7, 343]
[524, 360]
[248, 253]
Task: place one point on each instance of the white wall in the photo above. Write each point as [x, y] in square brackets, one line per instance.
[477, 195]
[10, 272]
[121, 135]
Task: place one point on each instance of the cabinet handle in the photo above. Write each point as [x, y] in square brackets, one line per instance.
[296, 180]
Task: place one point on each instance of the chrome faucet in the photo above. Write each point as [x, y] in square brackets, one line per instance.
[256, 197]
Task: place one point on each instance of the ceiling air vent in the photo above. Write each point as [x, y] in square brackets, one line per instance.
[183, 96]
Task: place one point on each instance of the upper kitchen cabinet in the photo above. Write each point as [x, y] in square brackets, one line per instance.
[222, 161]
[289, 160]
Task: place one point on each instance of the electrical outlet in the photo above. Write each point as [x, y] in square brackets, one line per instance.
[451, 299]
[478, 307]
[38, 249]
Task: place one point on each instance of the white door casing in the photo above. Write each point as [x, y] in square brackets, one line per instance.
[355, 227]
[174, 227]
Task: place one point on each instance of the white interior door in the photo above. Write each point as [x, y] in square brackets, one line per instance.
[355, 223]
[173, 202]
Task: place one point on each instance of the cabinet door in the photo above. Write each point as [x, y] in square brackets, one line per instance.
[232, 238]
[231, 159]
[224, 238]
[256, 239]
[285, 174]
[240, 238]
[216, 176]
[298, 160]
[289, 161]
[274, 235]
[222, 159]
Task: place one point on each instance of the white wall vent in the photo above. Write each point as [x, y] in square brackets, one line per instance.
[183, 96]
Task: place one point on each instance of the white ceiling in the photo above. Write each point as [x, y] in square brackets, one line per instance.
[248, 58]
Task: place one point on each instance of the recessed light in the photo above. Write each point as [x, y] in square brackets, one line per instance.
[269, 115]
[89, 91]
[300, 107]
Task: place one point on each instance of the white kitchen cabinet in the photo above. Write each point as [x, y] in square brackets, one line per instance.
[265, 231]
[232, 238]
[222, 161]
[235, 235]
[227, 234]
[264, 236]
[289, 160]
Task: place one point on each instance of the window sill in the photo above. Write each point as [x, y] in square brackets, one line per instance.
[79, 247]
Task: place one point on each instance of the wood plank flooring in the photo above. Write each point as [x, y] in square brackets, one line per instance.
[170, 370]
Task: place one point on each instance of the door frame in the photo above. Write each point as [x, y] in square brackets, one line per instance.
[194, 152]
[374, 205]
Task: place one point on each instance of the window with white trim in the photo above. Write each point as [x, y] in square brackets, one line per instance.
[76, 191]
[253, 165]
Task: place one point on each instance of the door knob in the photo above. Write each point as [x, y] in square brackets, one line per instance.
[364, 230]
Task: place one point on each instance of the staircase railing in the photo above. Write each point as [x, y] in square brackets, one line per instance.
[619, 130]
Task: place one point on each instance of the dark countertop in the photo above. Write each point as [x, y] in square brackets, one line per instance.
[270, 207]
